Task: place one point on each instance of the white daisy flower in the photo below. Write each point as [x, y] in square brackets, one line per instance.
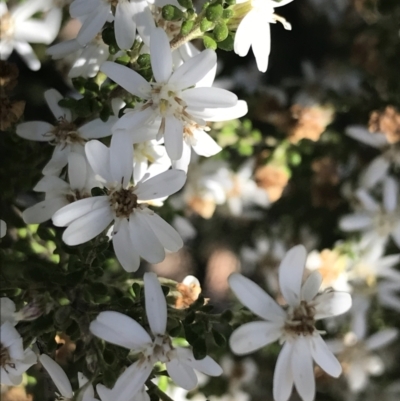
[122, 330]
[294, 325]
[66, 136]
[172, 104]
[254, 29]
[14, 360]
[95, 13]
[138, 231]
[18, 29]
[376, 221]
[60, 193]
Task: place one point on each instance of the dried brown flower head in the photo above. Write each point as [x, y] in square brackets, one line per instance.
[273, 179]
[387, 122]
[10, 112]
[65, 349]
[16, 394]
[8, 76]
[189, 291]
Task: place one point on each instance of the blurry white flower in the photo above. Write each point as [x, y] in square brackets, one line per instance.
[138, 231]
[172, 104]
[254, 29]
[17, 28]
[295, 325]
[60, 193]
[376, 221]
[3, 228]
[122, 330]
[14, 360]
[8, 312]
[66, 136]
[88, 58]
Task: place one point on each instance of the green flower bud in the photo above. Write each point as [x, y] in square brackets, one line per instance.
[214, 12]
[227, 44]
[172, 13]
[220, 31]
[186, 3]
[124, 60]
[206, 25]
[209, 43]
[144, 61]
[230, 2]
[68, 103]
[227, 13]
[186, 27]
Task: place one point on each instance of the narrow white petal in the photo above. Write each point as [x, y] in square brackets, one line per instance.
[355, 221]
[161, 57]
[63, 49]
[52, 97]
[93, 24]
[77, 209]
[311, 286]
[375, 172]
[166, 234]
[58, 375]
[77, 171]
[184, 161]
[255, 298]
[99, 159]
[97, 128]
[206, 365]
[121, 158]
[203, 98]
[156, 305]
[331, 303]
[194, 69]
[24, 49]
[262, 43]
[51, 183]
[360, 133]
[205, 146]
[58, 160]
[117, 328]
[128, 257]
[324, 357]
[127, 78]
[79, 8]
[35, 131]
[144, 241]
[182, 374]
[134, 121]
[244, 34]
[88, 226]
[173, 137]
[367, 200]
[390, 194]
[253, 336]
[302, 369]
[381, 339]
[283, 376]
[164, 184]
[125, 27]
[291, 272]
[221, 114]
[144, 20]
[44, 210]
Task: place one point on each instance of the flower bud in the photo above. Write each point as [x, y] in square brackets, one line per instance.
[209, 43]
[186, 3]
[186, 27]
[205, 25]
[227, 44]
[172, 13]
[214, 12]
[220, 31]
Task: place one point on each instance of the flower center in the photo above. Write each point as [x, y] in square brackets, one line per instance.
[123, 201]
[5, 359]
[6, 26]
[65, 133]
[300, 320]
[160, 349]
[384, 222]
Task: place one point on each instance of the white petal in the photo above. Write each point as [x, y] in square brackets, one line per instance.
[94, 23]
[88, 226]
[291, 274]
[355, 221]
[256, 299]
[375, 172]
[205, 146]
[134, 121]
[161, 57]
[25, 50]
[262, 43]
[125, 27]
[206, 365]
[221, 114]
[44, 210]
[194, 70]
[166, 234]
[77, 171]
[203, 98]
[99, 159]
[283, 377]
[311, 286]
[396, 234]
[127, 78]
[52, 97]
[121, 158]
[58, 375]
[144, 20]
[360, 133]
[331, 303]
[63, 49]
[156, 305]
[183, 375]
[324, 357]
[381, 339]
[253, 336]
[184, 161]
[390, 192]
[129, 259]
[97, 128]
[173, 137]
[164, 184]
[117, 328]
[244, 34]
[58, 160]
[367, 200]
[79, 8]
[35, 131]
[302, 369]
[144, 241]
[78, 209]
[51, 183]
